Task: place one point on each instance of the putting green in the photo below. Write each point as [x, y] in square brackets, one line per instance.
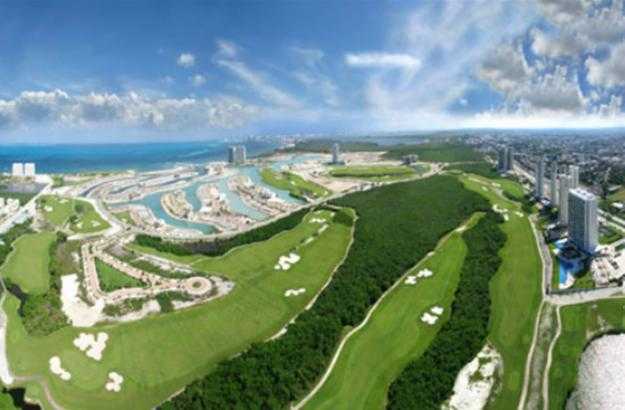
[159, 355]
[394, 336]
[27, 266]
[515, 294]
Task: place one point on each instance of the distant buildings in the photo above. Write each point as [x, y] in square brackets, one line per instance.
[563, 210]
[21, 170]
[540, 178]
[336, 153]
[505, 160]
[574, 173]
[17, 170]
[583, 222]
[237, 155]
[29, 169]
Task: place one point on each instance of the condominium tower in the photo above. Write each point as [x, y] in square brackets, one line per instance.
[574, 173]
[336, 153]
[237, 154]
[583, 224]
[553, 186]
[563, 208]
[540, 178]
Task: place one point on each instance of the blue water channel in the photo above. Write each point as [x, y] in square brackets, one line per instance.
[566, 267]
[257, 179]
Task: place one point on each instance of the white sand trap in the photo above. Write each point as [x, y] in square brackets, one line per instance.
[484, 189]
[411, 280]
[496, 185]
[499, 210]
[308, 241]
[425, 273]
[506, 217]
[322, 229]
[285, 262]
[77, 311]
[600, 376]
[471, 393]
[437, 310]
[428, 318]
[63, 201]
[93, 346]
[56, 368]
[461, 229]
[519, 214]
[294, 292]
[48, 209]
[79, 225]
[317, 220]
[114, 383]
[95, 224]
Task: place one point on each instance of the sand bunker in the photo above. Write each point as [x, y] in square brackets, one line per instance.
[506, 217]
[322, 229]
[519, 214]
[48, 208]
[95, 224]
[411, 280]
[294, 292]
[77, 311]
[317, 220]
[424, 273]
[285, 262]
[432, 316]
[428, 318]
[92, 346]
[57, 368]
[308, 241]
[484, 189]
[475, 381]
[114, 383]
[599, 380]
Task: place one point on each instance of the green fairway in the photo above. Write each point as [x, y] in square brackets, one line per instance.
[296, 185]
[111, 279]
[81, 215]
[124, 217]
[27, 265]
[159, 355]
[579, 324]
[436, 152]
[373, 173]
[395, 335]
[515, 292]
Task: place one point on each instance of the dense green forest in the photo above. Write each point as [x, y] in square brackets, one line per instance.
[428, 381]
[481, 168]
[397, 226]
[436, 152]
[219, 247]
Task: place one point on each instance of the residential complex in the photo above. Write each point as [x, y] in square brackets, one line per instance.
[505, 161]
[336, 153]
[563, 211]
[553, 185]
[540, 177]
[574, 173]
[583, 222]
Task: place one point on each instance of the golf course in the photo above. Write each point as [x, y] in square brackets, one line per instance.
[161, 354]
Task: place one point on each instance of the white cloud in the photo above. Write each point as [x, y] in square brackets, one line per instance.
[129, 110]
[197, 80]
[186, 60]
[609, 72]
[260, 84]
[310, 56]
[383, 60]
[566, 44]
[227, 49]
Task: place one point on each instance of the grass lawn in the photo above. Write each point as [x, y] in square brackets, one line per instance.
[296, 185]
[60, 210]
[89, 220]
[516, 294]
[27, 266]
[111, 279]
[124, 217]
[160, 354]
[373, 173]
[394, 336]
[579, 324]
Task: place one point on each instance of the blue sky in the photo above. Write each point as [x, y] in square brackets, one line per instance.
[132, 70]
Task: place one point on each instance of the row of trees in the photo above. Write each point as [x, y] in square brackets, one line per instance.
[397, 226]
[219, 247]
[428, 381]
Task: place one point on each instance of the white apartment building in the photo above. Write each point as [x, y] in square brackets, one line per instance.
[553, 185]
[237, 154]
[574, 173]
[29, 169]
[563, 208]
[583, 222]
[17, 170]
[540, 179]
[336, 153]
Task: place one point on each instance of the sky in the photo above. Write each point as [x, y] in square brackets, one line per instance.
[119, 71]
